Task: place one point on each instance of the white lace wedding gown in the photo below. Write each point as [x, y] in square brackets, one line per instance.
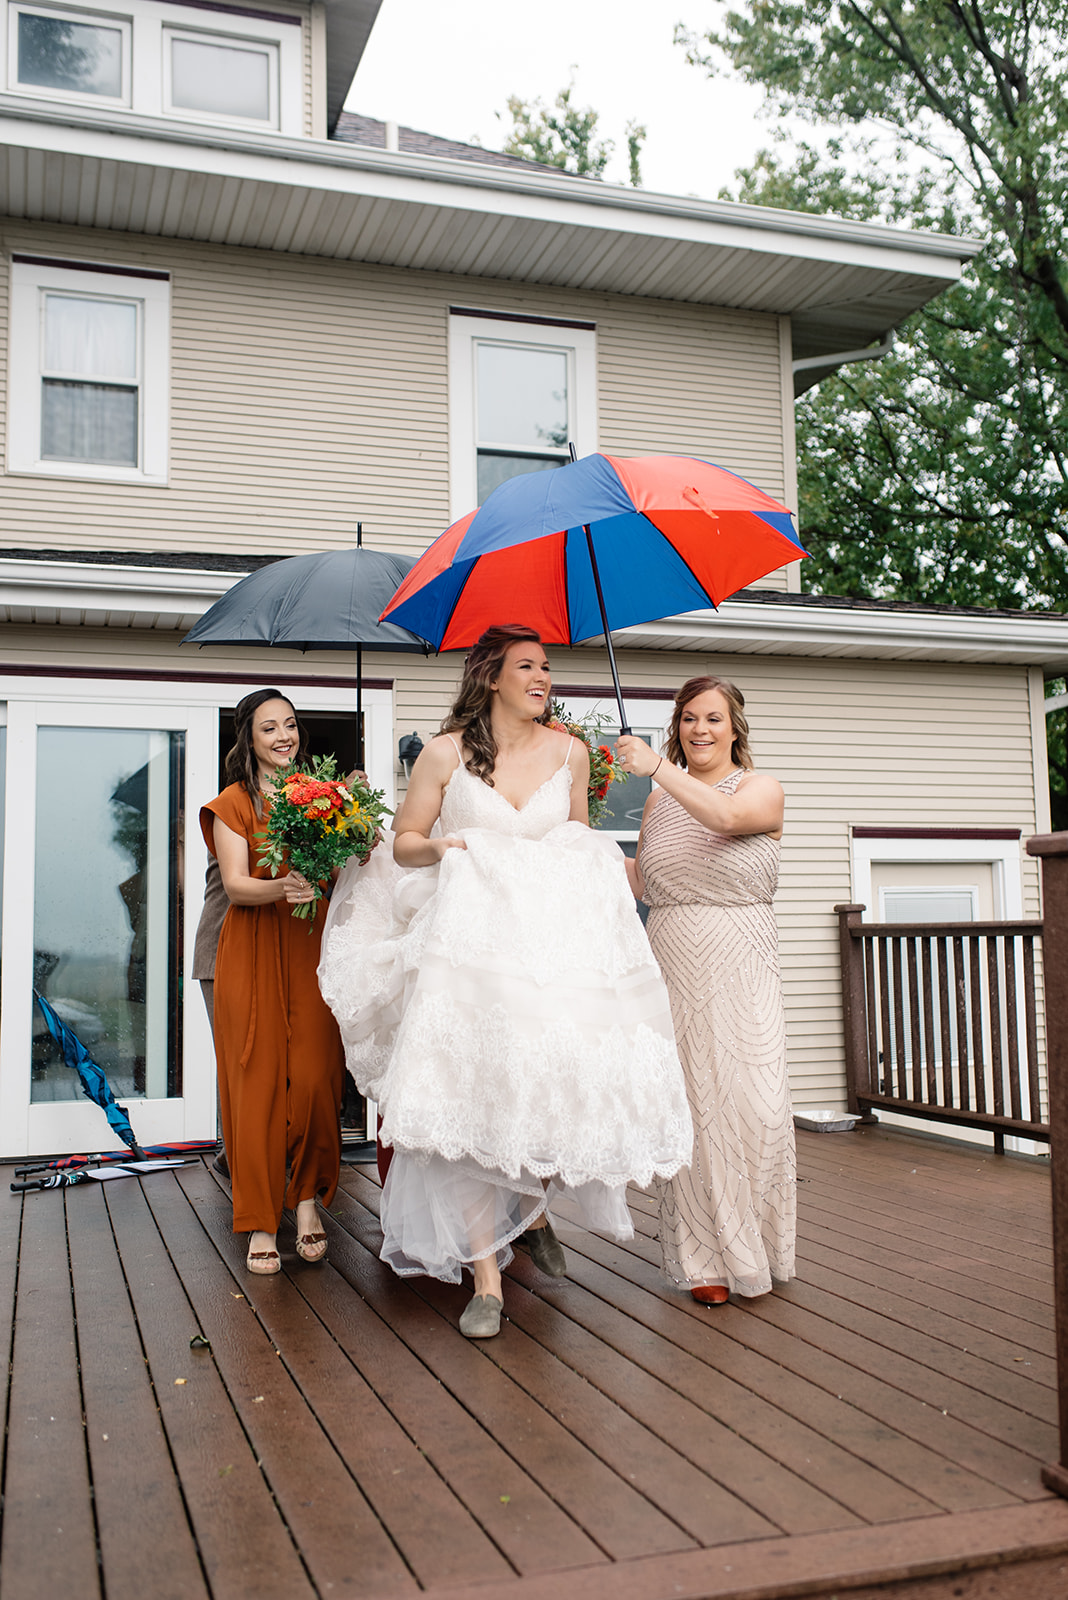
[504, 1010]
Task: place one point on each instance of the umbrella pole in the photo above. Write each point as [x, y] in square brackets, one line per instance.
[359, 708]
[359, 677]
[623, 724]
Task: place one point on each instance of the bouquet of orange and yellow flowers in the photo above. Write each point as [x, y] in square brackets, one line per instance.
[603, 769]
[318, 822]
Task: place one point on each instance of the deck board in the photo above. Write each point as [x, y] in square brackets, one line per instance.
[130, 1462]
[884, 1416]
[48, 1537]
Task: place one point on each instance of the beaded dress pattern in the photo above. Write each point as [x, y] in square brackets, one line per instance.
[730, 1217]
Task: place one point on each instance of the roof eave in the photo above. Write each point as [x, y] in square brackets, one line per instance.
[348, 27]
[80, 594]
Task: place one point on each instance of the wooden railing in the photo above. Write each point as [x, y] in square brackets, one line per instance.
[1052, 850]
[941, 1021]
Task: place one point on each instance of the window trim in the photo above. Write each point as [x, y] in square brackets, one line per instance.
[29, 282]
[469, 328]
[91, 16]
[1001, 855]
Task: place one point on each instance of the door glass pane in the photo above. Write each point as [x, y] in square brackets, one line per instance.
[219, 78]
[522, 396]
[88, 422]
[79, 57]
[86, 338]
[107, 907]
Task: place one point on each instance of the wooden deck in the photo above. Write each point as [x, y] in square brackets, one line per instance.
[883, 1417]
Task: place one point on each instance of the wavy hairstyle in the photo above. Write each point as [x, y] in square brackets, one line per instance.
[470, 712]
[241, 766]
[740, 752]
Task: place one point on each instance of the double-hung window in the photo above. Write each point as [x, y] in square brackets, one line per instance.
[89, 371]
[521, 390]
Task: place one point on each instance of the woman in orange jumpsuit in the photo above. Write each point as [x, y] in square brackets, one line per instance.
[279, 1052]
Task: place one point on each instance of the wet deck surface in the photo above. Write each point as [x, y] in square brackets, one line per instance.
[886, 1415]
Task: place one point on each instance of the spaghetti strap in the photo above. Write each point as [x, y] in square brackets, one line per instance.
[567, 753]
[456, 747]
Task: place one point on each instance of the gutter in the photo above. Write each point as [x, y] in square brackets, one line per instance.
[580, 192]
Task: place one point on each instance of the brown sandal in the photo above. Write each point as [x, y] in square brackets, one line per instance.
[265, 1262]
[312, 1247]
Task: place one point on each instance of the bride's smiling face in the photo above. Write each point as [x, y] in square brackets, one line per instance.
[524, 683]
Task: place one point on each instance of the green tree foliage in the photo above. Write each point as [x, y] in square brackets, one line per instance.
[565, 135]
[940, 472]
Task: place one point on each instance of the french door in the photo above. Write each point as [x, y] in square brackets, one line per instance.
[98, 910]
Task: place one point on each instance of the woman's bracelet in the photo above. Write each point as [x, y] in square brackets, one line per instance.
[656, 769]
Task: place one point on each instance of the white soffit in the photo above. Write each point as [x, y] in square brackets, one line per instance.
[842, 282]
[168, 599]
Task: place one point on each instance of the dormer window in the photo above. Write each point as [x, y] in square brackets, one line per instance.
[238, 67]
[70, 54]
[214, 77]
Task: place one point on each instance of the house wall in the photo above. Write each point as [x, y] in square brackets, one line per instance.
[852, 741]
[309, 393]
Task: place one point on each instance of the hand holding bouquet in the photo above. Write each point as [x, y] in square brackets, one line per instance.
[603, 769]
[318, 822]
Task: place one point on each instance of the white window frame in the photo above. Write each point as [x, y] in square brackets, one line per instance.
[1001, 855]
[91, 17]
[271, 48]
[30, 282]
[146, 68]
[466, 332]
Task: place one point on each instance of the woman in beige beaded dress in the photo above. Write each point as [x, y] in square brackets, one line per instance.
[707, 865]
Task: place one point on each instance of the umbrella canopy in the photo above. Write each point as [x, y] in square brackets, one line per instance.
[598, 544]
[94, 1084]
[329, 600]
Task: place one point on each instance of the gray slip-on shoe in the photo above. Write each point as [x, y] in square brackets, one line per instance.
[546, 1251]
[482, 1317]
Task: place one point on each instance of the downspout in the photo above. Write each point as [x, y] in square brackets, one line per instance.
[843, 357]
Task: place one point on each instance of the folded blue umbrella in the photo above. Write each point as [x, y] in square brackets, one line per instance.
[95, 1085]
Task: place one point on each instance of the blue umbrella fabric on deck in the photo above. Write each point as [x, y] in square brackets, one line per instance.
[95, 1085]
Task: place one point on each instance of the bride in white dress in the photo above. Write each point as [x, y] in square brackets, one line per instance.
[497, 995]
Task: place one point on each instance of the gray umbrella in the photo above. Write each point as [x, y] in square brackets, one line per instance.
[330, 600]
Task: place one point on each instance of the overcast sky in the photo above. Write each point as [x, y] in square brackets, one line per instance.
[447, 66]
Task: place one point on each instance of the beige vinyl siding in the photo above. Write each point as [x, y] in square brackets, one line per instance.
[309, 393]
[852, 742]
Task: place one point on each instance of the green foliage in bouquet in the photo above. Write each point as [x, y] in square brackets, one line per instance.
[603, 769]
[319, 821]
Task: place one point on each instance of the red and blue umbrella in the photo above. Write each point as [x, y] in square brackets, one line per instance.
[595, 545]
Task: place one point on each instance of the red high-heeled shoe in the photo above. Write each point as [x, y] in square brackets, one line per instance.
[711, 1294]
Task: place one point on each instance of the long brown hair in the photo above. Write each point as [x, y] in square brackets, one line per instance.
[241, 765]
[470, 712]
[740, 752]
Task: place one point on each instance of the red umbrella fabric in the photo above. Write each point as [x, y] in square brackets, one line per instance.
[669, 534]
[601, 543]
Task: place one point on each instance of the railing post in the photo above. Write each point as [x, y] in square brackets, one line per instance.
[1052, 848]
[854, 1032]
